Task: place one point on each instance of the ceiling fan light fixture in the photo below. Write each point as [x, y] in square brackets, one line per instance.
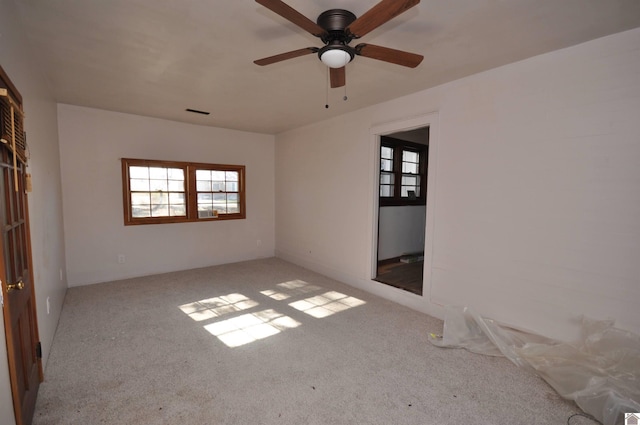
[335, 55]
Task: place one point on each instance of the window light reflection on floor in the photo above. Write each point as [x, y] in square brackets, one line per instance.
[290, 289]
[326, 304]
[248, 328]
[215, 307]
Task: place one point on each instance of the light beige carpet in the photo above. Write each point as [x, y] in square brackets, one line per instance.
[267, 342]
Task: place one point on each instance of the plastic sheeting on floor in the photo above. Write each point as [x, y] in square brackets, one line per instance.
[600, 371]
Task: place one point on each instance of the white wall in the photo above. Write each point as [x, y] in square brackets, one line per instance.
[537, 206]
[401, 231]
[45, 202]
[92, 142]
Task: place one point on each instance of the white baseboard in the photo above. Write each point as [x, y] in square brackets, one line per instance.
[405, 298]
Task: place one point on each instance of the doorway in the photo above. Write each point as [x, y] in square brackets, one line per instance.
[402, 196]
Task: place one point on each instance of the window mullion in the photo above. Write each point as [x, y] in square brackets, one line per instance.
[423, 166]
[192, 208]
[397, 172]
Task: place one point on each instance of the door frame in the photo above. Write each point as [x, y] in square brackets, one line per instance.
[427, 120]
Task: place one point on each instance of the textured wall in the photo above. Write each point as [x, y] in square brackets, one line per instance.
[91, 144]
[536, 209]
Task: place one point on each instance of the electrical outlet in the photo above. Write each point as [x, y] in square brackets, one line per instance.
[48, 306]
[121, 259]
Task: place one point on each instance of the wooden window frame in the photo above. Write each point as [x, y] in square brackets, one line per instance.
[398, 146]
[190, 169]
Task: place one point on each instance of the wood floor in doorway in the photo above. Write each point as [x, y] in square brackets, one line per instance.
[407, 276]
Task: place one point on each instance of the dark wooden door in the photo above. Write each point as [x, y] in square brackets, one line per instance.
[19, 302]
[20, 322]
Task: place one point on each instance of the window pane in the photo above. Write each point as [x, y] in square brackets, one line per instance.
[161, 185]
[203, 175]
[139, 172]
[204, 198]
[178, 210]
[157, 173]
[233, 207]
[175, 174]
[386, 178]
[159, 204]
[141, 211]
[220, 202]
[217, 186]
[218, 175]
[160, 211]
[231, 176]
[177, 205]
[232, 186]
[386, 191]
[203, 186]
[233, 204]
[404, 191]
[141, 185]
[140, 199]
[409, 167]
[410, 156]
[176, 186]
[386, 152]
[176, 198]
[410, 180]
[159, 198]
[386, 165]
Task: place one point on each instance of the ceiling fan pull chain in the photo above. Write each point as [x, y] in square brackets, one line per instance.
[326, 105]
[345, 93]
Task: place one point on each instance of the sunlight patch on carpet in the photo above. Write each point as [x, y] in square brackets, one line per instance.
[248, 328]
[326, 304]
[215, 307]
[290, 289]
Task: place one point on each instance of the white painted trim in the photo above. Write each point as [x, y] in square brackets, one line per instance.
[430, 120]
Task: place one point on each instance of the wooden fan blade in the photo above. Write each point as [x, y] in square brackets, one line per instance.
[284, 56]
[338, 77]
[378, 15]
[386, 54]
[292, 15]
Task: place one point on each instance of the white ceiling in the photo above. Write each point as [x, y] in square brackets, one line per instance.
[158, 57]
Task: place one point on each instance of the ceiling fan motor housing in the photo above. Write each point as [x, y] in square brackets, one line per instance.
[334, 22]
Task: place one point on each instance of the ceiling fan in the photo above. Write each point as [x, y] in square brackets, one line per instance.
[337, 28]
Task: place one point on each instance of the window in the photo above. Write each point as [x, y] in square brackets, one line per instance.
[403, 172]
[172, 192]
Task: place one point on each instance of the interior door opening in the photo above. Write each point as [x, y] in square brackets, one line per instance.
[402, 194]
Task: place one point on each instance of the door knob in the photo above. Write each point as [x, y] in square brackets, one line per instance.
[15, 286]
